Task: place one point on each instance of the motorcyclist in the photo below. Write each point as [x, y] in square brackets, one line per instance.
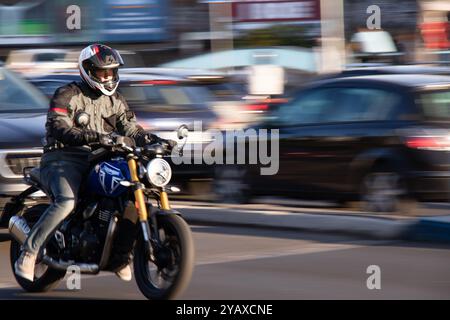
[64, 163]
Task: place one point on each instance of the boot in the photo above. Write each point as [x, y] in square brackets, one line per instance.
[122, 247]
[125, 273]
[24, 265]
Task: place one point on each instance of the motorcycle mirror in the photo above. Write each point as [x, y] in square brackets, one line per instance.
[182, 131]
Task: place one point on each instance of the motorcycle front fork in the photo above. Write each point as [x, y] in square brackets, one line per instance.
[141, 207]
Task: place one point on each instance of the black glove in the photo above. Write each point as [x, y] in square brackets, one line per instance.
[172, 144]
[90, 136]
[105, 140]
[125, 141]
[151, 138]
[167, 143]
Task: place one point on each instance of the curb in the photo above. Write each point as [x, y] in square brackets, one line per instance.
[433, 229]
[373, 227]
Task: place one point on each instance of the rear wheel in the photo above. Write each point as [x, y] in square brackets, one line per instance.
[230, 184]
[45, 278]
[168, 273]
[384, 190]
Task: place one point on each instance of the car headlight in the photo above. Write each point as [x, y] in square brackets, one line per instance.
[159, 172]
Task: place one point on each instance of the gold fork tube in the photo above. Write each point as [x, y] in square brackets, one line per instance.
[164, 201]
[138, 193]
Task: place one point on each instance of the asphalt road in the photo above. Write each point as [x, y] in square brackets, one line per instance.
[248, 263]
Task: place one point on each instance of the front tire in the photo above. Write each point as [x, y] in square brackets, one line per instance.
[166, 279]
[45, 278]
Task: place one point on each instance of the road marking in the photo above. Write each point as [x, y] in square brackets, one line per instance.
[273, 253]
[277, 252]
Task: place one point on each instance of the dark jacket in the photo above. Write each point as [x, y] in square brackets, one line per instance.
[107, 114]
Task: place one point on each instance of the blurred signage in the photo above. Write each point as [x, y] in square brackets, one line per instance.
[262, 11]
[44, 21]
[25, 22]
[435, 35]
[133, 20]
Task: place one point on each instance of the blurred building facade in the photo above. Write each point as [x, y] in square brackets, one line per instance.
[162, 30]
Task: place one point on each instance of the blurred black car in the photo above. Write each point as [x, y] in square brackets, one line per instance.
[383, 140]
[368, 70]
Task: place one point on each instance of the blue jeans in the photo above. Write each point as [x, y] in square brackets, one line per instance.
[63, 180]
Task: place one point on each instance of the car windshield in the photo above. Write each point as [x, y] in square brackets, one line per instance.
[436, 105]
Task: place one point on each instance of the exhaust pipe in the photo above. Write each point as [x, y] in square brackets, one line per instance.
[19, 229]
[64, 265]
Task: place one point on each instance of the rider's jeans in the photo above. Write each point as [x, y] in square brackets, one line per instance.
[62, 179]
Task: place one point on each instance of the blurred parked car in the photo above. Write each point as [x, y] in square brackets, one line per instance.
[383, 140]
[227, 95]
[36, 61]
[22, 120]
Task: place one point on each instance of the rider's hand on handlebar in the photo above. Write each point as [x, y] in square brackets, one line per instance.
[124, 141]
[167, 144]
[90, 136]
[171, 144]
[105, 140]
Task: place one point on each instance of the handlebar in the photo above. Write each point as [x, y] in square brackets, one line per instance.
[159, 148]
[150, 150]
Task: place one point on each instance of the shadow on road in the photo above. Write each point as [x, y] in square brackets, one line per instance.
[17, 293]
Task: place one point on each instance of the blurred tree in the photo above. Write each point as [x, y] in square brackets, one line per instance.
[285, 35]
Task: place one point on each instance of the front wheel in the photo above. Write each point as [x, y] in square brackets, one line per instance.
[167, 273]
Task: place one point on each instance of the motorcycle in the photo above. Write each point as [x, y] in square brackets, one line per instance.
[120, 176]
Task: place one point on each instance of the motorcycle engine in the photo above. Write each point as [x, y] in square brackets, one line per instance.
[89, 234]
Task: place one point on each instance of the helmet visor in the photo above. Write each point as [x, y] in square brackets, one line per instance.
[106, 76]
[105, 57]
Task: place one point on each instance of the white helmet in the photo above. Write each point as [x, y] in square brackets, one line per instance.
[99, 56]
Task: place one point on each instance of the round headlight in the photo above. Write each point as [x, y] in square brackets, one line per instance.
[159, 172]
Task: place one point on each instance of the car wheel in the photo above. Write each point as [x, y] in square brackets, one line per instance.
[384, 190]
[231, 184]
